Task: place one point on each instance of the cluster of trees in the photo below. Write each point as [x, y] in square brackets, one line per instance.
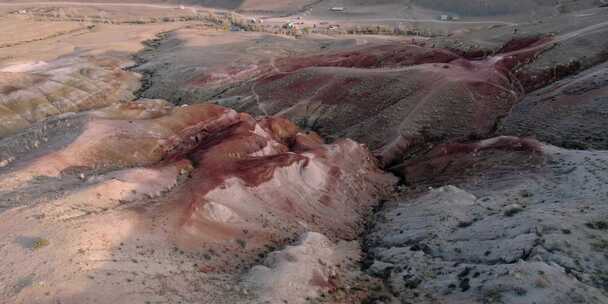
[229, 21]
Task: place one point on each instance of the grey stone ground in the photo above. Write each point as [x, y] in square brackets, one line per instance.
[519, 236]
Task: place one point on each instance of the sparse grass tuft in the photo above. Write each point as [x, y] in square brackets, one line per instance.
[40, 243]
[600, 245]
[598, 225]
[242, 243]
[513, 210]
[493, 296]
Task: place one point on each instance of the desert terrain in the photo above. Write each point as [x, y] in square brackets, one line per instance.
[304, 151]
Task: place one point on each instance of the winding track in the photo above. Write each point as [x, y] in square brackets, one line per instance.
[559, 38]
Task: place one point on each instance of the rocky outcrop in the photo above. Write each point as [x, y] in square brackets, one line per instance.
[272, 165]
[512, 221]
[300, 273]
[192, 193]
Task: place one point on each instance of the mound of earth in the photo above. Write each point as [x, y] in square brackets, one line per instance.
[32, 92]
[302, 272]
[193, 194]
[513, 221]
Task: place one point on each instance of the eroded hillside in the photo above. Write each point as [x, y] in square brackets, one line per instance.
[303, 152]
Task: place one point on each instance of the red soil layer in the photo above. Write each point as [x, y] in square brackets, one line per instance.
[392, 55]
[459, 98]
[431, 89]
[448, 160]
[513, 54]
[569, 113]
[228, 154]
[296, 89]
[500, 143]
[339, 90]
[256, 181]
[227, 75]
[522, 43]
[518, 53]
[534, 80]
[537, 78]
[208, 125]
[329, 195]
